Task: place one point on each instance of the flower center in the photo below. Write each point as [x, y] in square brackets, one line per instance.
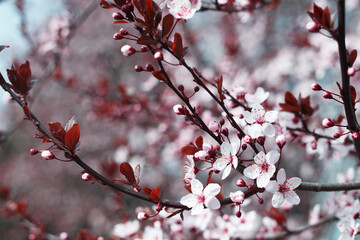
[201, 198]
[264, 167]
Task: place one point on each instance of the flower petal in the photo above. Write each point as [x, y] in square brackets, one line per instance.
[226, 172]
[268, 129]
[292, 197]
[260, 158]
[281, 176]
[248, 117]
[221, 163]
[189, 200]
[235, 162]
[212, 203]
[196, 187]
[258, 112]
[277, 200]
[263, 180]
[225, 148]
[255, 130]
[294, 182]
[272, 187]
[252, 171]
[197, 209]
[272, 157]
[212, 189]
[271, 116]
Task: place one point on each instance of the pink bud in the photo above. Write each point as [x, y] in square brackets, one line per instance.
[225, 131]
[226, 217]
[281, 141]
[158, 56]
[240, 183]
[355, 135]
[202, 155]
[178, 109]
[248, 139]
[251, 187]
[238, 214]
[261, 140]
[351, 71]
[34, 151]
[244, 147]
[117, 16]
[142, 216]
[312, 27]
[337, 135]
[237, 197]
[158, 207]
[149, 67]
[64, 236]
[47, 155]
[123, 31]
[261, 201]
[117, 36]
[138, 68]
[327, 123]
[213, 126]
[327, 95]
[144, 48]
[86, 177]
[316, 87]
[127, 50]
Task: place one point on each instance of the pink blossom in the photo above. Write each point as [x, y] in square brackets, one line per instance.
[348, 228]
[257, 98]
[260, 121]
[237, 197]
[283, 189]
[184, 9]
[200, 197]
[263, 168]
[47, 155]
[189, 168]
[127, 50]
[226, 158]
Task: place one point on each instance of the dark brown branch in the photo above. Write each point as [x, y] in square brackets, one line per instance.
[346, 94]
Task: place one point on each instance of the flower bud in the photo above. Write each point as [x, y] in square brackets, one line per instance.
[34, 151]
[213, 126]
[327, 95]
[261, 201]
[86, 177]
[158, 56]
[355, 135]
[196, 89]
[238, 214]
[327, 122]
[142, 216]
[312, 27]
[158, 207]
[222, 121]
[281, 141]
[123, 31]
[127, 50]
[244, 147]
[117, 36]
[251, 187]
[202, 155]
[138, 68]
[240, 183]
[261, 140]
[144, 48]
[351, 71]
[178, 109]
[248, 139]
[117, 16]
[316, 87]
[47, 155]
[181, 87]
[336, 135]
[225, 131]
[237, 197]
[149, 67]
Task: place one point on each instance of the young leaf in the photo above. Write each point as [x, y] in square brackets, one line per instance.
[128, 173]
[199, 142]
[57, 131]
[72, 137]
[168, 22]
[177, 46]
[291, 104]
[159, 75]
[104, 4]
[20, 79]
[150, 10]
[155, 194]
[189, 149]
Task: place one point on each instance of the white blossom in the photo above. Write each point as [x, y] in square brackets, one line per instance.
[226, 158]
[260, 121]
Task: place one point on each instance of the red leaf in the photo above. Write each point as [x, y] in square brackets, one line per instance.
[128, 172]
[146, 40]
[138, 7]
[155, 194]
[326, 18]
[104, 4]
[168, 22]
[72, 137]
[306, 108]
[150, 10]
[120, 22]
[177, 46]
[318, 12]
[291, 104]
[159, 75]
[352, 57]
[189, 149]
[85, 235]
[199, 142]
[353, 94]
[70, 123]
[20, 78]
[277, 216]
[147, 191]
[219, 88]
[57, 131]
[21, 207]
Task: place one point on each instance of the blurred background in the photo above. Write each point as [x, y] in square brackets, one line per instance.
[127, 116]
